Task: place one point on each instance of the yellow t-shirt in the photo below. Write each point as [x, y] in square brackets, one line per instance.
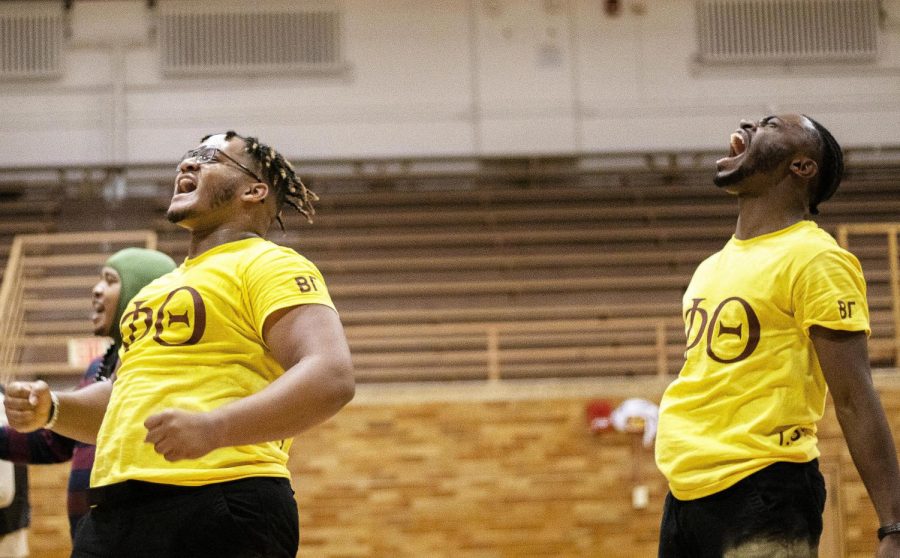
[193, 340]
[751, 389]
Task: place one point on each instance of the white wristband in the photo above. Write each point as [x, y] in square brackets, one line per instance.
[54, 411]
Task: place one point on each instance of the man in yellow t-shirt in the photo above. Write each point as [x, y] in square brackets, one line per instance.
[773, 320]
[223, 361]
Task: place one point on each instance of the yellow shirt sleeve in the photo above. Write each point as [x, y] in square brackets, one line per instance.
[281, 278]
[830, 292]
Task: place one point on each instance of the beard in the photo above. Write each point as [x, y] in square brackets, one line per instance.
[220, 197]
[176, 216]
[765, 159]
[724, 180]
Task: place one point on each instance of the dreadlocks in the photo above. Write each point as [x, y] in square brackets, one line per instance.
[280, 174]
[831, 168]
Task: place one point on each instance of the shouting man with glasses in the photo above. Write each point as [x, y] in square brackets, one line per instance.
[223, 361]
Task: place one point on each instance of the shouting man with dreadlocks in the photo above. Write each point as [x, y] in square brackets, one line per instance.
[773, 320]
[121, 277]
[223, 361]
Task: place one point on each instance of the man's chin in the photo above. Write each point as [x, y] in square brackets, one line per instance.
[176, 216]
[724, 179]
[721, 181]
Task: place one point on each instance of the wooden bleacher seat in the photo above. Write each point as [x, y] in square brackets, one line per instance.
[53, 285]
[23, 211]
[431, 281]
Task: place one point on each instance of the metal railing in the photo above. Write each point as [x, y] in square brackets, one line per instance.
[615, 347]
[14, 290]
[891, 231]
[11, 310]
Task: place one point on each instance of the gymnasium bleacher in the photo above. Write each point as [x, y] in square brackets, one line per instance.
[508, 273]
[572, 280]
[25, 210]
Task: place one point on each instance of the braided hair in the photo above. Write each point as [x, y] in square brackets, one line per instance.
[831, 168]
[280, 174]
[108, 363]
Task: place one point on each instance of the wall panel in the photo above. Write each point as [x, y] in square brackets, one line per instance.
[483, 472]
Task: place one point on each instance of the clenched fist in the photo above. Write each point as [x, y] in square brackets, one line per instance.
[177, 434]
[27, 405]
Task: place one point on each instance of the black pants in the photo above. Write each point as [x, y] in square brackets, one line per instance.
[255, 517]
[775, 511]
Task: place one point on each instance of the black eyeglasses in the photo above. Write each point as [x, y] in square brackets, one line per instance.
[209, 155]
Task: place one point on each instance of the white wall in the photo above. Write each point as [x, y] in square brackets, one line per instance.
[450, 77]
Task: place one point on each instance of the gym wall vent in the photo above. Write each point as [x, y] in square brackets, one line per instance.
[778, 31]
[248, 38]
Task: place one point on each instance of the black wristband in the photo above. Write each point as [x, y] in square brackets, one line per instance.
[891, 529]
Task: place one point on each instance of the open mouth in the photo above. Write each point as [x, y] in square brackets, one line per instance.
[97, 310]
[737, 146]
[185, 184]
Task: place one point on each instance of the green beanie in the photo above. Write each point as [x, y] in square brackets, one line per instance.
[137, 267]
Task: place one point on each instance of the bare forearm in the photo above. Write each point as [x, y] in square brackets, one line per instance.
[844, 359]
[81, 412]
[307, 394]
[308, 342]
[872, 448]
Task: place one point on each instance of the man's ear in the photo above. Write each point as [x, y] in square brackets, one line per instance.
[804, 167]
[255, 193]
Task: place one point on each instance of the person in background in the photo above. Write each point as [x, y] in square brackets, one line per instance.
[774, 320]
[122, 276]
